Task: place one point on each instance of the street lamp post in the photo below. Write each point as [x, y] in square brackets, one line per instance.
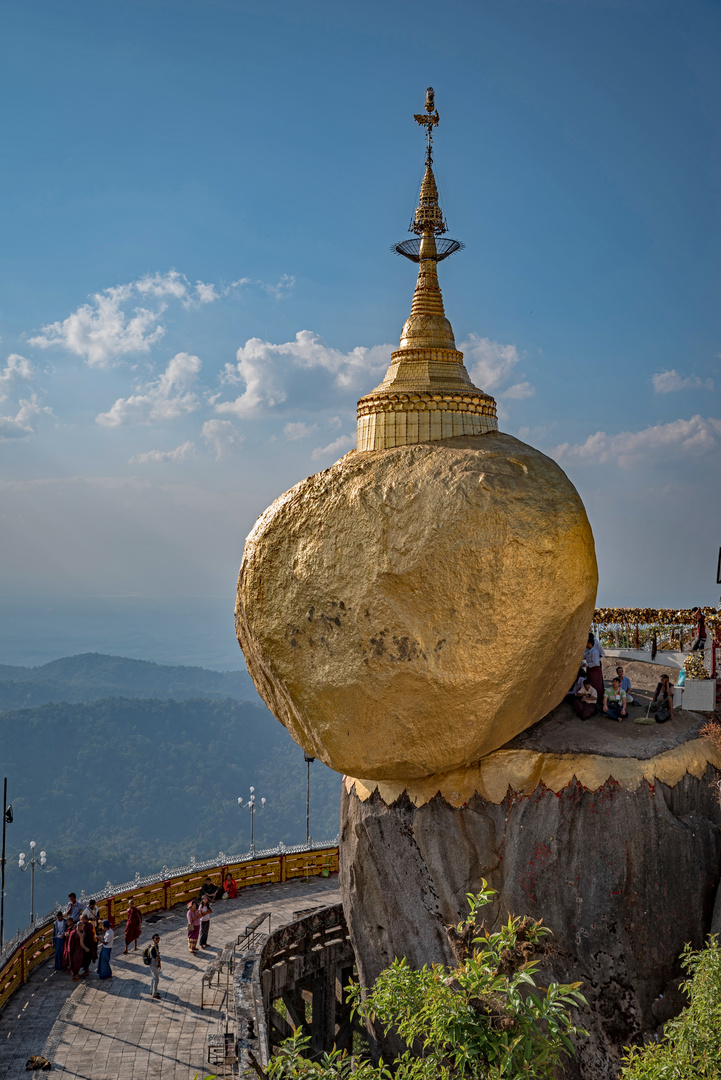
[7, 812]
[31, 865]
[252, 805]
[308, 761]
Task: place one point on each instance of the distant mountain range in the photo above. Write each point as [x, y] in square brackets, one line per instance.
[137, 765]
[91, 676]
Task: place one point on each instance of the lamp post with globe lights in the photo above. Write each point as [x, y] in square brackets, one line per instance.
[252, 805]
[308, 762]
[31, 864]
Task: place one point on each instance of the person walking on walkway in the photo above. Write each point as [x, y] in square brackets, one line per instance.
[154, 954]
[205, 912]
[133, 924]
[193, 926]
[59, 928]
[106, 951]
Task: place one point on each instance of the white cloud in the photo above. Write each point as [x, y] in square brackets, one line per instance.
[666, 382]
[519, 391]
[22, 424]
[113, 324]
[489, 363]
[661, 443]
[338, 446]
[298, 430]
[223, 436]
[167, 398]
[158, 456]
[17, 369]
[206, 293]
[268, 372]
[283, 288]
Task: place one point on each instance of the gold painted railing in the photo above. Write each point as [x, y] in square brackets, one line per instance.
[160, 895]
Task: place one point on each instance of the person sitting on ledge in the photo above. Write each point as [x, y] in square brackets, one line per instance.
[585, 701]
[662, 701]
[230, 886]
[614, 701]
[625, 685]
[210, 890]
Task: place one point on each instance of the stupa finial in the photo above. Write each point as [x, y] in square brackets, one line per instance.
[426, 394]
[429, 121]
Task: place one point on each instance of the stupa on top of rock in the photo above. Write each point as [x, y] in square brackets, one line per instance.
[426, 393]
[412, 608]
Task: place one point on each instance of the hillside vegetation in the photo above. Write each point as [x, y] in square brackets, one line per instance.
[124, 784]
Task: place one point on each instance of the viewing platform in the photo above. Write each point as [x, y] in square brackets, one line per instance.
[114, 1030]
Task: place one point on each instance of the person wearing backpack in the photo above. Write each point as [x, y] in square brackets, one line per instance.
[151, 957]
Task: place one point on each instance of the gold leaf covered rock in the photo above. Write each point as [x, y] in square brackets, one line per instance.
[410, 610]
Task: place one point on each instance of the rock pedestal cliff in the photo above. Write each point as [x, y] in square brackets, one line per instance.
[624, 875]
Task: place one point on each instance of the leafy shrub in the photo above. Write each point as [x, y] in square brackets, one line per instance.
[691, 1045]
[486, 1018]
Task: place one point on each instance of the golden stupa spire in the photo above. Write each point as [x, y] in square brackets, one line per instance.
[426, 393]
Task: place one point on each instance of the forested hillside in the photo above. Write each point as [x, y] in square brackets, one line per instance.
[90, 676]
[124, 784]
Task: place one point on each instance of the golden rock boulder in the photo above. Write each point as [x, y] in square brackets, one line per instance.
[410, 610]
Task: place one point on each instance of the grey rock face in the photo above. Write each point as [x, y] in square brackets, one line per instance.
[623, 879]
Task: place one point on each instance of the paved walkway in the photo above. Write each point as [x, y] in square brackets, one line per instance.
[113, 1030]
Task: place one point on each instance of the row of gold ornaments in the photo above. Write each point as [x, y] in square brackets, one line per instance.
[654, 616]
[694, 666]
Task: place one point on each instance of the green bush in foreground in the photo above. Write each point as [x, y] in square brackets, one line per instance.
[691, 1046]
[483, 1019]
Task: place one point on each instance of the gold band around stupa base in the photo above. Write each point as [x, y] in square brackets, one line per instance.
[403, 419]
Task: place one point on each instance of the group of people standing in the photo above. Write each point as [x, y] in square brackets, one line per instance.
[80, 938]
[200, 911]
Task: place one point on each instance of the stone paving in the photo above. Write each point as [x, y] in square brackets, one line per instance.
[114, 1030]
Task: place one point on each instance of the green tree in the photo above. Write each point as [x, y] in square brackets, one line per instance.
[691, 1045]
[483, 1020]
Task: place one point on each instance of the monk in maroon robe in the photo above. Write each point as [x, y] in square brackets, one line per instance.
[134, 921]
[76, 953]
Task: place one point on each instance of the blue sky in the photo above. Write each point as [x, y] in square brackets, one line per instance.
[198, 197]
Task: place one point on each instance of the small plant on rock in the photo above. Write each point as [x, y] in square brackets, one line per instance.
[691, 1044]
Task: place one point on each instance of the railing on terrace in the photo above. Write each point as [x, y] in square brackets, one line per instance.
[636, 628]
[159, 892]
